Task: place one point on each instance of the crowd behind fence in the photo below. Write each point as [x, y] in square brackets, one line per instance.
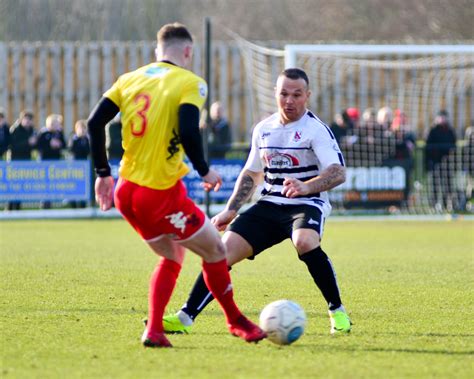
[378, 181]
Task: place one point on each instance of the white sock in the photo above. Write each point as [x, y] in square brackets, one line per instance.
[184, 318]
[341, 308]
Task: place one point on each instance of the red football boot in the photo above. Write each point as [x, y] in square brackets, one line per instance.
[150, 339]
[247, 330]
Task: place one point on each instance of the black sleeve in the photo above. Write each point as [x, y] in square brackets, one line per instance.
[190, 136]
[103, 112]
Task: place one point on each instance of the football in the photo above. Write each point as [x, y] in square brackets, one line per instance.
[284, 321]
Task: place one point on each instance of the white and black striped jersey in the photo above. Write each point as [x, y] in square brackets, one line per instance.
[301, 150]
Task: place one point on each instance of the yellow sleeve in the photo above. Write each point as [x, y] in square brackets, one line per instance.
[195, 92]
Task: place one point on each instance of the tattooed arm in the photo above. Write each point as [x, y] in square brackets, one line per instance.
[243, 190]
[329, 178]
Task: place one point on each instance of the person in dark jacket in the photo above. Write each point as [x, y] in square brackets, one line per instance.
[79, 147]
[51, 138]
[114, 139]
[4, 134]
[22, 142]
[79, 144]
[22, 137]
[220, 136]
[439, 153]
[51, 142]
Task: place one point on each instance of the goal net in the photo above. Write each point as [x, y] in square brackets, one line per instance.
[383, 100]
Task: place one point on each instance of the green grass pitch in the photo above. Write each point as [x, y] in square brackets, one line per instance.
[73, 294]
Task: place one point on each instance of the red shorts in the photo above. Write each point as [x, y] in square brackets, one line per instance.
[158, 213]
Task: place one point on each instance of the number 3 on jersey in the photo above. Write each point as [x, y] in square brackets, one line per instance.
[138, 129]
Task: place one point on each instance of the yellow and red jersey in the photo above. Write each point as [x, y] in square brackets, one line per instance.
[149, 99]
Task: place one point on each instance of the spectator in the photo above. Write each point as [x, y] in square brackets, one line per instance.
[50, 143]
[354, 117]
[114, 140]
[4, 134]
[405, 142]
[22, 137]
[340, 128]
[22, 142]
[79, 143]
[220, 137]
[51, 138]
[405, 139]
[385, 117]
[373, 145]
[80, 150]
[468, 164]
[440, 144]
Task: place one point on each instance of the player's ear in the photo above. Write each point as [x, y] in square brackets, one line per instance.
[188, 51]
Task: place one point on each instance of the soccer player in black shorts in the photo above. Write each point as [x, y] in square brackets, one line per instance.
[299, 160]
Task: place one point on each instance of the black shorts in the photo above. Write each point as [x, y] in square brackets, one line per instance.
[266, 224]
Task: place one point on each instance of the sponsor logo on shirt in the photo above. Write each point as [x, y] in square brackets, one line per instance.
[281, 160]
[266, 134]
[156, 71]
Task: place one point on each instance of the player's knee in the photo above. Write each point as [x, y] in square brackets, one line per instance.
[305, 243]
[216, 252]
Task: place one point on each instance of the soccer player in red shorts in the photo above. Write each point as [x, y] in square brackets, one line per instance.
[160, 105]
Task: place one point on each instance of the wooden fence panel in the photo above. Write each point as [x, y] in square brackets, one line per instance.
[69, 78]
[29, 71]
[81, 85]
[4, 93]
[56, 78]
[235, 110]
[16, 77]
[42, 82]
[69, 98]
[94, 75]
[107, 65]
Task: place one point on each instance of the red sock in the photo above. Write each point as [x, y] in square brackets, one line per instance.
[217, 278]
[162, 284]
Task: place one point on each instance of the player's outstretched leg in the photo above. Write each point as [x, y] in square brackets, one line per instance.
[217, 279]
[321, 269]
[162, 284]
[207, 243]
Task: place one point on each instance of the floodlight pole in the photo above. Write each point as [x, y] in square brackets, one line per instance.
[207, 76]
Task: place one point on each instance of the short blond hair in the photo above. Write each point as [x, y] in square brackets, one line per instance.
[52, 118]
[80, 124]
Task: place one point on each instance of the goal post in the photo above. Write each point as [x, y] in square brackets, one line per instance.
[292, 50]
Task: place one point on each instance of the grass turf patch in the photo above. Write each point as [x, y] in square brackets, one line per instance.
[73, 294]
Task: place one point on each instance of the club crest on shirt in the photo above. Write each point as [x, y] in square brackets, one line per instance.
[297, 136]
[281, 160]
[202, 89]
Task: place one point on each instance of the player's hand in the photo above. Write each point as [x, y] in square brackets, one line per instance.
[212, 181]
[293, 187]
[222, 219]
[104, 192]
